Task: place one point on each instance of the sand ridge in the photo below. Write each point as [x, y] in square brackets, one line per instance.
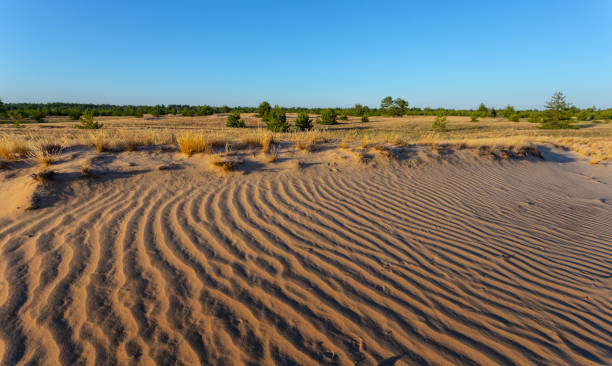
[454, 260]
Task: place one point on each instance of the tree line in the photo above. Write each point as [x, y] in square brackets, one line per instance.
[389, 106]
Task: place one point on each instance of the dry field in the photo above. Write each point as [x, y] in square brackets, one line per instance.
[373, 243]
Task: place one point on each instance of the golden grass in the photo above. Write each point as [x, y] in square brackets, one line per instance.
[266, 140]
[190, 144]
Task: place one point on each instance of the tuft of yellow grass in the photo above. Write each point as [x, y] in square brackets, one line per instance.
[99, 142]
[13, 146]
[266, 140]
[190, 144]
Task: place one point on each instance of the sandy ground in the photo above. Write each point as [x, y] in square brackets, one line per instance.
[440, 257]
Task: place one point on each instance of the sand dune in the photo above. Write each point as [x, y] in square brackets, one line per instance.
[447, 260]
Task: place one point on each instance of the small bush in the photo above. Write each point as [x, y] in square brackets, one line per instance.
[233, 120]
[365, 118]
[88, 123]
[474, 116]
[328, 117]
[343, 117]
[303, 122]
[514, 118]
[439, 124]
[276, 120]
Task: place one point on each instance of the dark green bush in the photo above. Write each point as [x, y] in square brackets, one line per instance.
[233, 120]
[328, 117]
[343, 117]
[276, 120]
[264, 109]
[365, 118]
[514, 117]
[303, 121]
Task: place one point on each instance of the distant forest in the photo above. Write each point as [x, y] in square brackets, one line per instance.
[389, 107]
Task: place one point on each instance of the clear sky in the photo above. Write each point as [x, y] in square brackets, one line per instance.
[308, 53]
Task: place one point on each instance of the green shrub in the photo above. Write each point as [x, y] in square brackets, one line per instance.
[303, 121]
[87, 121]
[233, 120]
[276, 120]
[343, 117]
[439, 124]
[365, 118]
[264, 109]
[328, 117]
[474, 116]
[514, 117]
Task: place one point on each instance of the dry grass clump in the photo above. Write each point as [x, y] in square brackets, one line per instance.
[13, 146]
[386, 152]
[85, 168]
[227, 163]
[45, 152]
[306, 141]
[273, 154]
[362, 156]
[99, 141]
[190, 144]
[265, 141]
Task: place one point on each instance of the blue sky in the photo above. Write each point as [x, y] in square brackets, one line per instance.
[309, 53]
